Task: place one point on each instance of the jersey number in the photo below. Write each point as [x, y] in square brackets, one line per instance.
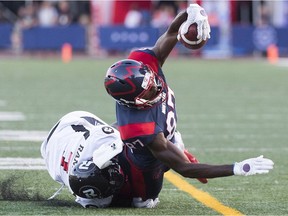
[171, 120]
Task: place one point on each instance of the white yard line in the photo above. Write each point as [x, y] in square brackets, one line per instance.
[22, 167]
[22, 164]
[23, 147]
[275, 149]
[22, 135]
[12, 116]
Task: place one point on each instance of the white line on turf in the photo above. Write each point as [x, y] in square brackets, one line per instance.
[22, 164]
[22, 135]
[12, 116]
[274, 149]
[18, 147]
[22, 167]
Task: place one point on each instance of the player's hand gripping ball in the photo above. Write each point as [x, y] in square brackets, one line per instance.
[190, 39]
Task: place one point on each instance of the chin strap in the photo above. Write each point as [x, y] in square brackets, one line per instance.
[57, 192]
[147, 103]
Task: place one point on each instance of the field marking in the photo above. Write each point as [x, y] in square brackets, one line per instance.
[203, 197]
[12, 116]
[22, 135]
[229, 149]
[10, 163]
[22, 167]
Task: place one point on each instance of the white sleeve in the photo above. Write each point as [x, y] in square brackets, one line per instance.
[106, 152]
[178, 141]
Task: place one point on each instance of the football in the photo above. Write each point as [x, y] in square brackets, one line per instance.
[189, 39]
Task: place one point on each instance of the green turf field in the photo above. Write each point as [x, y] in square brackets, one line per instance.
[228, 110]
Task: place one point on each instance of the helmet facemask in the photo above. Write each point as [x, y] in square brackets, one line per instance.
[151, 94]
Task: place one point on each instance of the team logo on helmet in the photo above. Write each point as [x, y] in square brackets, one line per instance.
[90, 192]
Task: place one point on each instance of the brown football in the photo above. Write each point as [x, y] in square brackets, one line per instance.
[189, 39]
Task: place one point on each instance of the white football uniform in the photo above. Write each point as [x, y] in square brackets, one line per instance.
[76, 137]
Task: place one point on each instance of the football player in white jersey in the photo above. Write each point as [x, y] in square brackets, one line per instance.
[79, 153]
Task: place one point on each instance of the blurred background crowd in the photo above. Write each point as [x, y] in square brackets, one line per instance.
[94, 15]
[157, 13]
[44, 13]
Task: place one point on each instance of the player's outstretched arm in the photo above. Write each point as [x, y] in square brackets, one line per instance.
[193, 14]
[168, 40]
[170, 155]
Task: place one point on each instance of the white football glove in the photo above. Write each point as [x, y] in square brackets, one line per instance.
[197, 14]
[149, 203]
[253, 166]
[178, 141]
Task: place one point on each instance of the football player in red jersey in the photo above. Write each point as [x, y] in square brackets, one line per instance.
[146, 116]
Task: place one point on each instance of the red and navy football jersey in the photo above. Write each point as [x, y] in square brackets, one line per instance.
[138, 127]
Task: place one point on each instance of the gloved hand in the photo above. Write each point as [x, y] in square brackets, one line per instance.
[197, 14]
[253, 166]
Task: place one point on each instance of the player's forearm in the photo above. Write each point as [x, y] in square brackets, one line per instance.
[168, 40]
[176, 23]
[206, 171]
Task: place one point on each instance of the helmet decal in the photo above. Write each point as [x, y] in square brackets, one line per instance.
[90, 192]
[129, 72]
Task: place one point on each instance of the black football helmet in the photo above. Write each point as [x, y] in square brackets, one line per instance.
[88, 181]
[127, 81]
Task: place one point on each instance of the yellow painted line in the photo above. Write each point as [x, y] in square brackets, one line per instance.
[200, 195]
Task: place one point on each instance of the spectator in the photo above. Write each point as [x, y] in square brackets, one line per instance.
[84, 19]
[47, 14]
[64, 13]
[27, 16]
[163, 15]
[264, 14]
[78, 11]
[134, 17]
